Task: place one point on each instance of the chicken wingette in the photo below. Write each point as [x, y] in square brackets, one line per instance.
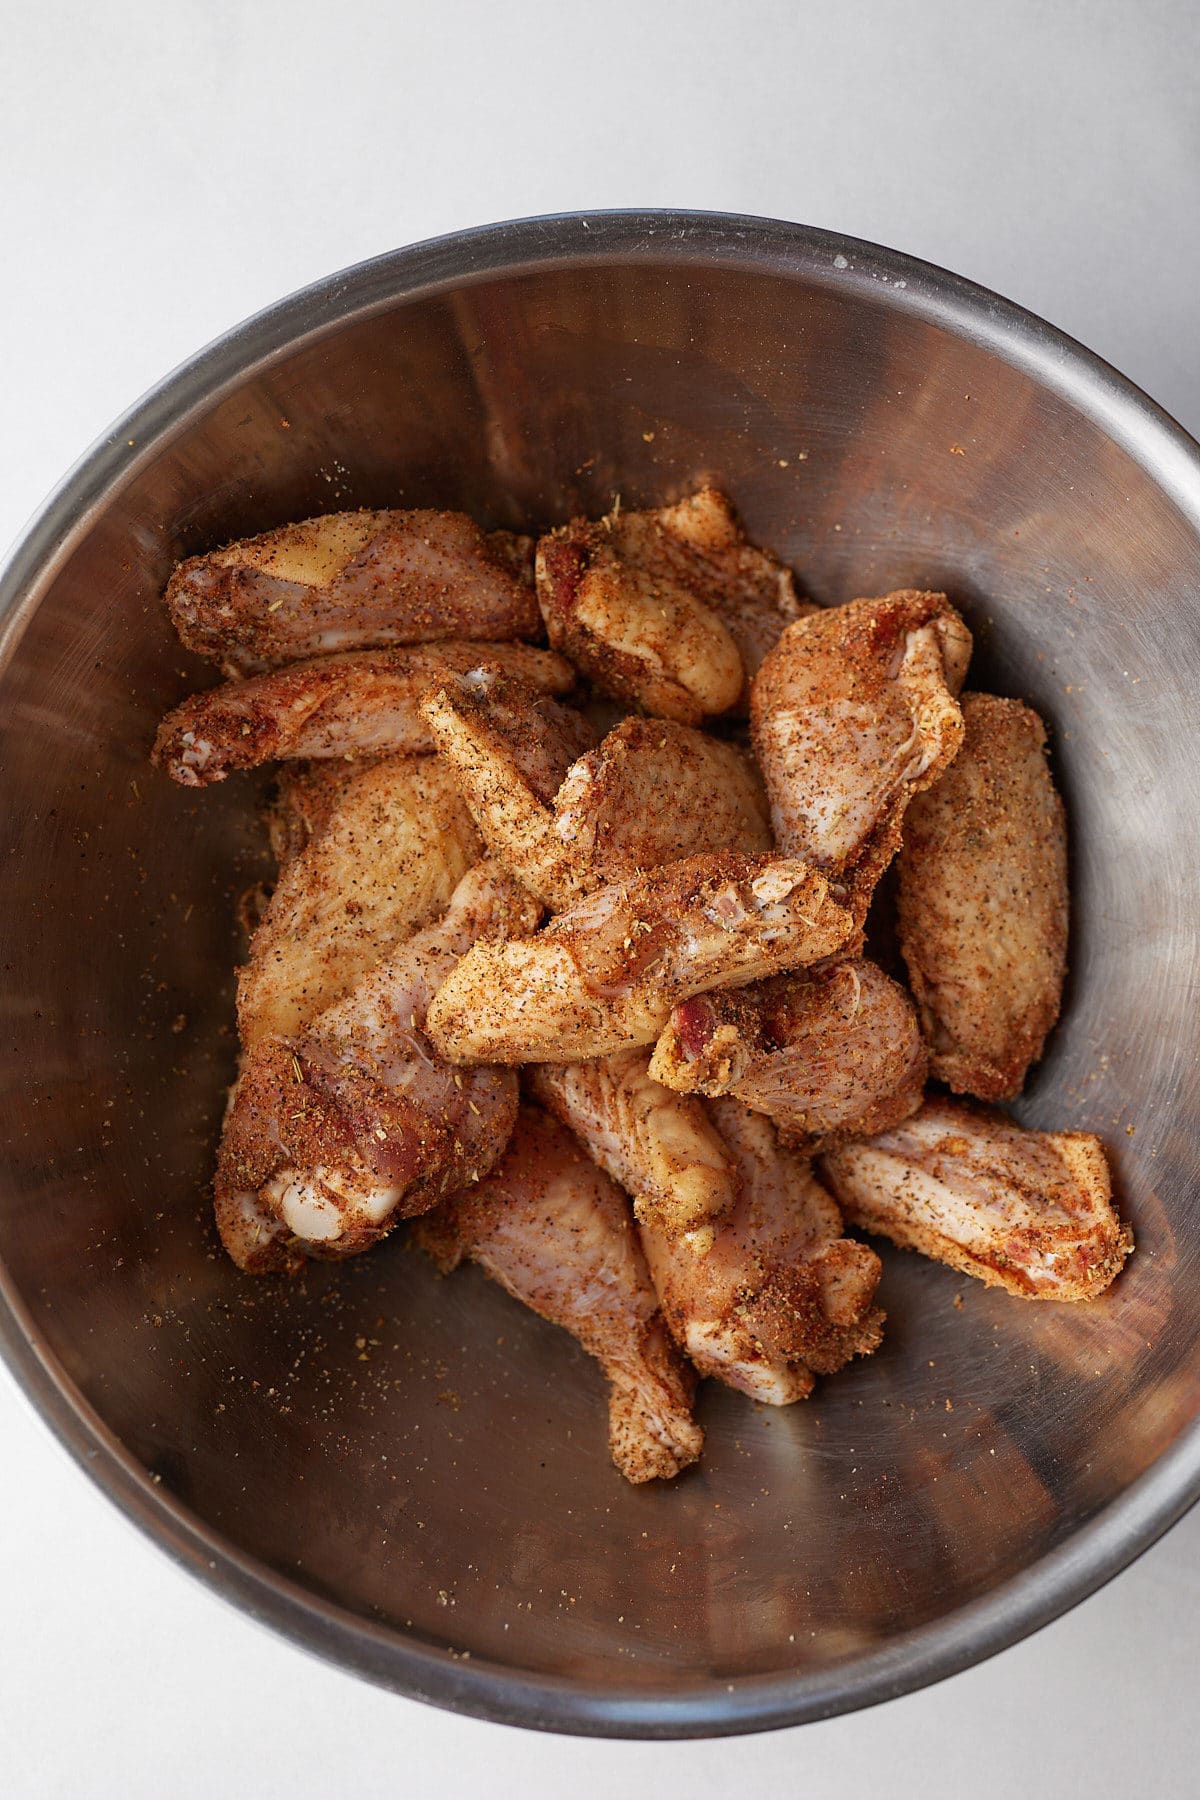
[1030, 1211]
[983, 905]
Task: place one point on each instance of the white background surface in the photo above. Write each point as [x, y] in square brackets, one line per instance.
[171, 165]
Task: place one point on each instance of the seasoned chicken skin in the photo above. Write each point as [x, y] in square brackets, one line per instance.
[1029, 1211]
[366, 703]
[652, 792]
[983, 902]
[388, 858]
[604, 975]
[356, 1122]
[781, 1293]
[352, 581]
[557, 1233]
[753, 593]
[517, 734]
[661, 1147]
[853, 712]
[305, 799]
[827, 1053]
[667, 611]
[509, 751]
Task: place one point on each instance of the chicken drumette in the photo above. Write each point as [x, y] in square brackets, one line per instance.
[367, 703]
[668, 611]
[336, 1132]
[558, 1234]
[780, 1294]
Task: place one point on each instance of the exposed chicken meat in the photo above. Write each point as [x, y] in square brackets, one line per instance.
[853, 712]
[827, 1053]
[255, 1238]
[660, 1147]
[781, 1294]
[366, 703]
[983, 902]
[385, 863]
[652, 792]
[1029, 1211]
[557, 1233]
[352, 581]
[666, 610]
[604, 975]
[356, 1122]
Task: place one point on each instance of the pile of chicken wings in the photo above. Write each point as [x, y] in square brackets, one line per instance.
[564, 959]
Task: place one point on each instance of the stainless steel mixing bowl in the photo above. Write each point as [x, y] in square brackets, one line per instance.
[409, 1475]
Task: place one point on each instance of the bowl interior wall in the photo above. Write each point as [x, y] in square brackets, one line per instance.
[418, 1449]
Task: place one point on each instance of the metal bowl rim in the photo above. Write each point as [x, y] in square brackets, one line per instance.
[1047, 1588]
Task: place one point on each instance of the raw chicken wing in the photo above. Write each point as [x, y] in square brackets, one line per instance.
[351, 581]
[509, 749]
[1029, 1211]
[654, 791]
[604, 975]
[853, 712]
[553, 1230]
[660, 1147]
[983, 902]
[827, 1053]
[356, 1122]
[362, 704]
[667, 611]
[781, 1293]
[386, 862]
